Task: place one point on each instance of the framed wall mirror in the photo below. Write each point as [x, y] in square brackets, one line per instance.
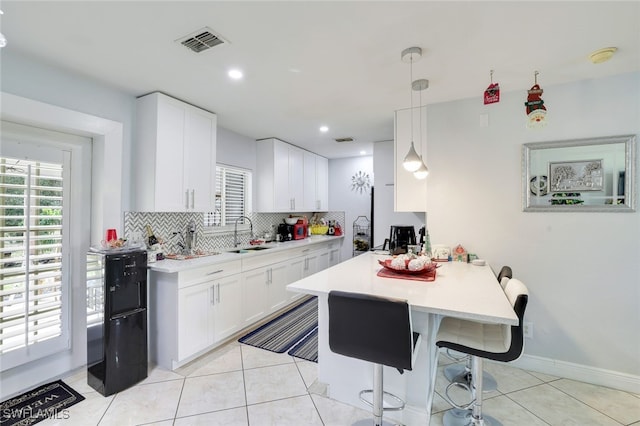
[591, 175]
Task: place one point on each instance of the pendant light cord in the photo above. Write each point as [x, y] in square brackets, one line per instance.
[411, 92]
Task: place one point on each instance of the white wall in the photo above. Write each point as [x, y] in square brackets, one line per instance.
[582, 269]
[342, 198]
[234, 149]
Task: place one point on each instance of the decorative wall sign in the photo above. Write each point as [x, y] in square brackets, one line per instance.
[536, 111]
[492, 94]
[360, 182]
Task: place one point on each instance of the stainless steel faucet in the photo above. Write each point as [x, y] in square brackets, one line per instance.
[191, 237]
[235, 230]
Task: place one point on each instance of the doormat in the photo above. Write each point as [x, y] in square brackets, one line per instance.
[48, 401]
[281, 333]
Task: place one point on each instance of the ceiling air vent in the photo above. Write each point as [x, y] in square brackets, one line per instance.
[343, 139]
[201, 40]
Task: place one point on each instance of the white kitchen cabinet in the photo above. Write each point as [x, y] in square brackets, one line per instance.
[174, 155]
[316, 183]
[307, 262]
[190, 311]
[280, 172]
[264, 291]
[410, 194]
[290, 179]
[333, 252]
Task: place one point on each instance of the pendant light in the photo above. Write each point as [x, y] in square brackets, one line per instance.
[411, 161]
[420, 85]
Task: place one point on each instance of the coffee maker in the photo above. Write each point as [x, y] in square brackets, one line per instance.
[400, 237]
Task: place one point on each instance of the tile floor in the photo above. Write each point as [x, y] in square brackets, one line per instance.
[242, 385]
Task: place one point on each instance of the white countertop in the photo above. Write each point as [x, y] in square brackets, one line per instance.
[171, 265]
[460, 289]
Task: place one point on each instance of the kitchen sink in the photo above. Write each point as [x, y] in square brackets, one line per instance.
[257, 248]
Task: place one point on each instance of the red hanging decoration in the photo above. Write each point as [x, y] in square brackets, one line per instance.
[536, 111]
[492, 94]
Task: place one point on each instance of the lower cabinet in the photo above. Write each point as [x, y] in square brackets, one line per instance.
[192, 310]
[264, 291]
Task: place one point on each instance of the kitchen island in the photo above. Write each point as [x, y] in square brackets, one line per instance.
[460, 290]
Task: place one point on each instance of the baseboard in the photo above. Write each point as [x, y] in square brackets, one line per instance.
[597, 376]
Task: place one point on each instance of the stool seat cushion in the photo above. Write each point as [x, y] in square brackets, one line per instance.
[493, 338]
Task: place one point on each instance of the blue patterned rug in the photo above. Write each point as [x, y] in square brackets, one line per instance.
[282, 333]
[307, 348]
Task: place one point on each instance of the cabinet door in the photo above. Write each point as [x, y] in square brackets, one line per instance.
[322, 184]
[323, 261]
[282, 198]
[334, 256]
[296, 177]
[195, 319]
[254, 295]
[277, 286]
[228, 303]
[295, 272]
[310, 198]
[169, 154]
[199, 172]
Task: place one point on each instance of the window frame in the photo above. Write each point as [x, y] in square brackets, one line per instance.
[227, 228]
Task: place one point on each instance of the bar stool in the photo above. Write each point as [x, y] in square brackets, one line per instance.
[377, 330]
[481, 341]
[462, 373]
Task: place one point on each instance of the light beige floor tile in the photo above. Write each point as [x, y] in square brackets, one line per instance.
[286, 412]
[272, 383]
[254, 357]
[439, 404]
[144, 404]
[509, 413]
[78, 381]
[334, 413]
[232, 417]
[544, 377]
[616, 404]
[308, 370]
[215, 392]
[557, 408]
[86, 412]
[159, 374]
[223, 360]
[458, 394]
[436, 419]
[509, 378]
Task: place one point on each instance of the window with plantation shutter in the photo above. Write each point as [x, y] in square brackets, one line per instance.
[232, 199]
[32, 284]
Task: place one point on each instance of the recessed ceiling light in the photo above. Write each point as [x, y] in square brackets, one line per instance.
[235, 74]
[363, 152]
[324, 129]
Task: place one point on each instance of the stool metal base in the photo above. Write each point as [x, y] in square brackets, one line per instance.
[457, 417]
[458, 373]
[369, 422]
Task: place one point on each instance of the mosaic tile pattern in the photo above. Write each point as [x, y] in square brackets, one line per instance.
[165, 224]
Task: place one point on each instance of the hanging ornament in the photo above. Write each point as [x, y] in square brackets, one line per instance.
[536, 111]
[492, 94]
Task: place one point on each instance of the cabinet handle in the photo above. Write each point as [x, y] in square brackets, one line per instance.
[213, 295]
[193, 199]
[218, 299]
[267, 275]
[214, 272]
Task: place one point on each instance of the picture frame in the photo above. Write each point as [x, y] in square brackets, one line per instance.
[554, 175]
[571, 176]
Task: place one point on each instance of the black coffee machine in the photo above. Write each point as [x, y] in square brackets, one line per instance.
[400, 237]
[285, 232]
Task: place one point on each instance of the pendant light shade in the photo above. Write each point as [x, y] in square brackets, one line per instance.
[412, 161]
[422, 172]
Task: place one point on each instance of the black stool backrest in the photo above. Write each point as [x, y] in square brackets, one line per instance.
[505, 272]
[371, 328]
[518, 295]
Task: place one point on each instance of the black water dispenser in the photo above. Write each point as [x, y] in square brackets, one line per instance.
[116, 319]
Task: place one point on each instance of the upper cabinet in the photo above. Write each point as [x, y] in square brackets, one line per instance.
[288, 180]
[410, 193]
[174, 156]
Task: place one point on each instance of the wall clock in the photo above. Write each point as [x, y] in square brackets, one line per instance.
[360, 182]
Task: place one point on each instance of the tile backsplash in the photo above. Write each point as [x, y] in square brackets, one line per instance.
[165, 224]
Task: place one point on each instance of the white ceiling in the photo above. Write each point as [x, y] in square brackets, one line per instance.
[333, 63]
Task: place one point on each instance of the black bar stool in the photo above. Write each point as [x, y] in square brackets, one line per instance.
[377, 330]
[458, 373]
[482, 341]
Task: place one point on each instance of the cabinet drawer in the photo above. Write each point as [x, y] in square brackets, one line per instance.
[208, 273]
